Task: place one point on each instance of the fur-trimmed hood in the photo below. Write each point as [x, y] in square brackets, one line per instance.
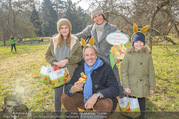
[74, 57]
[145, 49]
[72, 43]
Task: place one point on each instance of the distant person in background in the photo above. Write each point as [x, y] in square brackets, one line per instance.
[99, 30]
[13, 43]
[21, 39]
[64, 50]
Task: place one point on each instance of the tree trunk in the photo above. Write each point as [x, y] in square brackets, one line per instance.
[164, 37]
[4, 37]
[153, 18]
[169, 40]
[176, 28]
[4, 40]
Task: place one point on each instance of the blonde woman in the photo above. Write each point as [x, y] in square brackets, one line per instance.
[64, 50]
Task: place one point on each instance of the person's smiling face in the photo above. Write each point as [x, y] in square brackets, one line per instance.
[98, 19]
[64, 31]
[138, 45]
[90, 56]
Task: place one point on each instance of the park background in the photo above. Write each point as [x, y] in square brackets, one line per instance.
[33, 20]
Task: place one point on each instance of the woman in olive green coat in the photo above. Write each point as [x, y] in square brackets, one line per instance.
[137, 69]
[64, 50]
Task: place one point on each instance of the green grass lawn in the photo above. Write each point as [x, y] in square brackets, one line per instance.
[19, 71]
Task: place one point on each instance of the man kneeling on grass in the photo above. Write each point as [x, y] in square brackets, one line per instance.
[93, 85]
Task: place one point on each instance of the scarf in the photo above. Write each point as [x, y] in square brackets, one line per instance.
[87, 92]
[99, 29]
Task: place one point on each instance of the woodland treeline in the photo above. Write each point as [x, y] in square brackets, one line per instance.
[32, 18]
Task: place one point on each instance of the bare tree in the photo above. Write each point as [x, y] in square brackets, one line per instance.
[13, 20]
[159, 14]
[166, 7]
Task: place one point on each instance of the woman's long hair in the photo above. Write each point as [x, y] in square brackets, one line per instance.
[60, 40]
[104, 17]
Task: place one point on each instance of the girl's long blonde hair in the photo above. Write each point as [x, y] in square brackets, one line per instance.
[60, 40]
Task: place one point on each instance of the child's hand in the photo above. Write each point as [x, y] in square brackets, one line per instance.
[127, 90]
[151, 92]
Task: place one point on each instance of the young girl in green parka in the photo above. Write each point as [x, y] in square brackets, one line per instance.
[137, 69]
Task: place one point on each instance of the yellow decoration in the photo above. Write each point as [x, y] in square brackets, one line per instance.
[144, 29]
[115, 50]
[83, 77]
[135, 28]
[128, 106]
[74, 89]
[118, 52]
[91, 41]
[67, 76]
[83, 43]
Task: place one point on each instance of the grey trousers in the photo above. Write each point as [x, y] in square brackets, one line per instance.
[57, 98]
